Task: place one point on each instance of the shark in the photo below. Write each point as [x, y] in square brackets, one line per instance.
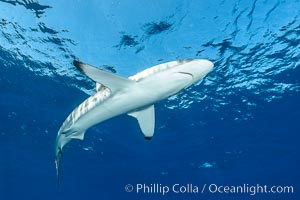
[135, 96]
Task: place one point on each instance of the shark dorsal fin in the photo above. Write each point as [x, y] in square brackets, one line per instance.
[146, 119]
[112, 81]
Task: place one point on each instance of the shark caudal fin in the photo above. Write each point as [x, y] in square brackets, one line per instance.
[57, 165]
[146, 119]
[112, 81]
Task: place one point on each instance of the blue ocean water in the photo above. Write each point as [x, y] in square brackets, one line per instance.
[239, 126]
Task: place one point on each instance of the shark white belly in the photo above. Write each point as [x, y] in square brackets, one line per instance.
[135, 96]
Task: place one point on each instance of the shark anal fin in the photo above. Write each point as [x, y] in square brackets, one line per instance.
[112, 81]
[146, 119]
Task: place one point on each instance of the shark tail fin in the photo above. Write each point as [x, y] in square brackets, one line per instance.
[57, 165]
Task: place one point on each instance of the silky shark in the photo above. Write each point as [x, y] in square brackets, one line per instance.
[134, 96]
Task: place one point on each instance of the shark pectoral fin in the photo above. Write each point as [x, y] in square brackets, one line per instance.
[146, 119]
[112, 81]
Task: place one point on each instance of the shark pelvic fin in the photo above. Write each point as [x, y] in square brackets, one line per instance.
[112, 81]
[74, 134]
[146, 119]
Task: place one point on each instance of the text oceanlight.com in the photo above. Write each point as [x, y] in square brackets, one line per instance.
[163, 189]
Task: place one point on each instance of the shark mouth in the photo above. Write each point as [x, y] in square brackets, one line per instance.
[187, 74]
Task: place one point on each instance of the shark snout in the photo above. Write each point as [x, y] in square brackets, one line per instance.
[202, 67]
[198, 69]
